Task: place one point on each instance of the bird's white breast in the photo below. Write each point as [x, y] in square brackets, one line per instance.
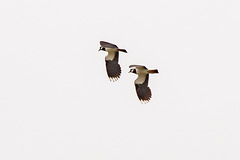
[140, 79]
[141, 76]
[111, 53]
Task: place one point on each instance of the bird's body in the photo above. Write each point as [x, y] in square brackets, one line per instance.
[112, 66]
[141, 83]
[142, 75]
[111, 53]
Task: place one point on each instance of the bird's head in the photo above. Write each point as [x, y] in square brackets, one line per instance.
[133, 71]
[102, 49]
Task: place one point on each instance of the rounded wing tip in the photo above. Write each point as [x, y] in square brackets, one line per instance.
[144, 101]
[114, 79]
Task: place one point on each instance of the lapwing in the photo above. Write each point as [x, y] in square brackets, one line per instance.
[112, 66]
[141, 83]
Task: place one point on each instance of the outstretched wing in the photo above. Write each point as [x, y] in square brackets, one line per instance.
[143, 92]
[107, 45]
[113, 68]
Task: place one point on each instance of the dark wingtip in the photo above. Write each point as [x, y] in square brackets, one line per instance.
[122, 50]
[144, 93]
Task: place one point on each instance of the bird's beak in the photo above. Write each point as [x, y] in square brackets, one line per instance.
[99, 49]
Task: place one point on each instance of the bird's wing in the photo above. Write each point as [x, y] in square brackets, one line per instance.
[107, 44]
[143, 92]
[113, 68]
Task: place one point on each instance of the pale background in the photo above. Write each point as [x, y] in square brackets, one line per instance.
[57, 103]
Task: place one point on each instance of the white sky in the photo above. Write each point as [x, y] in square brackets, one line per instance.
[57, 103]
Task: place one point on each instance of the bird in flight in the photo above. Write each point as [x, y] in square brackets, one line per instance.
[141, 83]
[112, 66]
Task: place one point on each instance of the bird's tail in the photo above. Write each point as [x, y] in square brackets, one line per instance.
[153, 71]
[122, 50]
